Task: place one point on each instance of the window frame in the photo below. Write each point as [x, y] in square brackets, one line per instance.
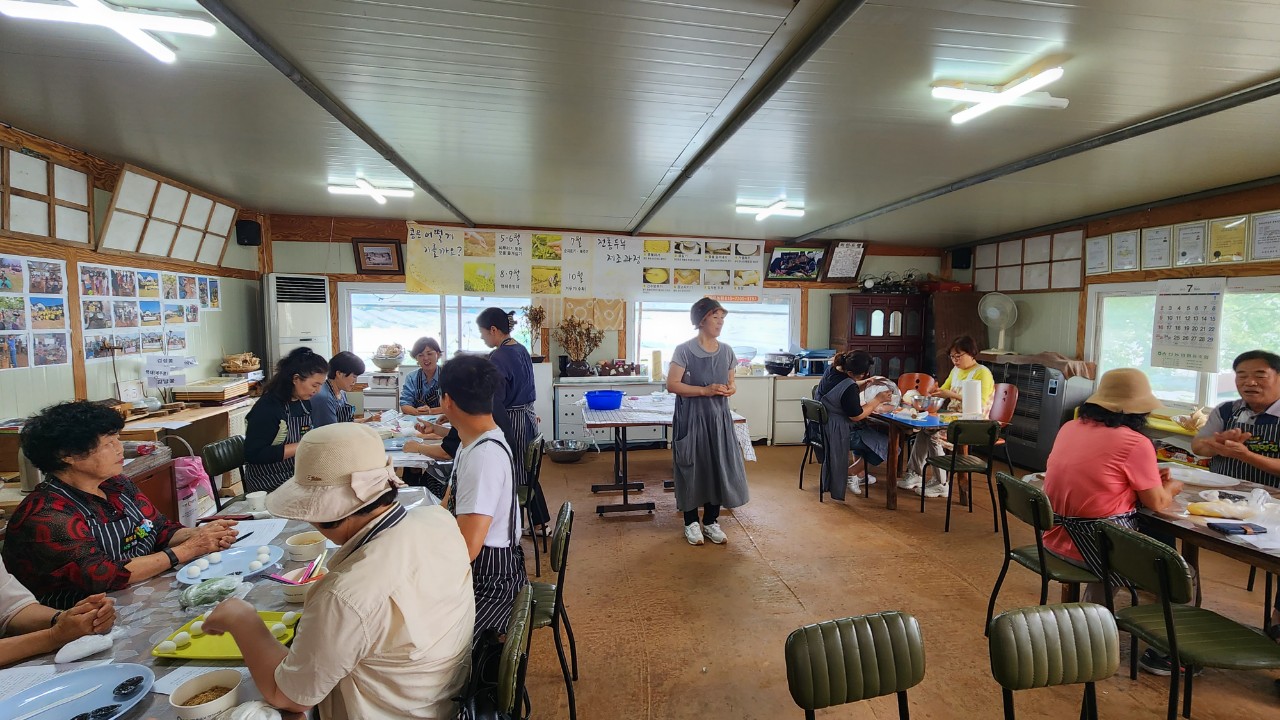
[792, 296]
[1099, 292]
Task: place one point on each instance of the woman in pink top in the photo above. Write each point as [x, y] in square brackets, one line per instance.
[1102, 466]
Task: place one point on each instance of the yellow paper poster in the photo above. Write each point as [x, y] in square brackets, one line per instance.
[436, 262]
[1228, 238]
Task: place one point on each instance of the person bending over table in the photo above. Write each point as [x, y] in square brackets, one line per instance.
[28, 628]
[933, 443]
[447, 449]
[707, 462]
[278, 420]
[329, 405]
[1242, 437]
[387, 630]
[840, 390]
[1100, 468]
[482, 493]
[421, 392]
[87, 529]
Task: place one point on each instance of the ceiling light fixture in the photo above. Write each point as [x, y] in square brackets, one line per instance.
[364, 187]
[1018, 92]
[777, 208]
[131, 25]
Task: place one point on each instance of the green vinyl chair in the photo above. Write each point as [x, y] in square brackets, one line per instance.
[855, 658]
[1192, 636]
[815, 441]
[533, 454]
[502, 701]
[222, 457]
[549, 608]
[1047, 645]
[1029, 504]
[973, 434]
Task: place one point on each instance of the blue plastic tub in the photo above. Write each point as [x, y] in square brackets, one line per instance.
[604, 399]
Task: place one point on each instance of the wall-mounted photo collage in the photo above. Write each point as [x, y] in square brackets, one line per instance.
[34, 327]
[141, 311]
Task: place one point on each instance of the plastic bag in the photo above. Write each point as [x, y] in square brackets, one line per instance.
[214, 591]
[192, 482]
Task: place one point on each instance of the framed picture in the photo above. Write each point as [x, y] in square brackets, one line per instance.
[383, 257]
[795, 264]
[844, 261]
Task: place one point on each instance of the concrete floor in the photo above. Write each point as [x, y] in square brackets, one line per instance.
[668, 630]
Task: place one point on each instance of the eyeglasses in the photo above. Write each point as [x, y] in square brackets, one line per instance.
[957, 355]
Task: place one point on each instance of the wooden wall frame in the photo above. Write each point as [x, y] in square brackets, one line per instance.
[1011, 256]
[181, 223]
[49, 198]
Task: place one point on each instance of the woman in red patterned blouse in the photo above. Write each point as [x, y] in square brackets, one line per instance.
[86, 529]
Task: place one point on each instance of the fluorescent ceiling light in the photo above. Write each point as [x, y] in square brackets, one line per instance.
[970, 94]
[364, 187]
[131, 25]
[778, 208]
[1007, 96]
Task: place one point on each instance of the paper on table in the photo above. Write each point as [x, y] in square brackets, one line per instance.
[170, 682]
[15, 680]
[264, 531]
[160, 425]
[1269, 541]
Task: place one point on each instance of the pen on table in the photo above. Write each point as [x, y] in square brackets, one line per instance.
[242, 537]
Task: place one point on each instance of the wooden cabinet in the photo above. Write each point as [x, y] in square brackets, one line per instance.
[754, 401]
[568, 414]
[889, 327]
[158, 485]
[788, 422]
[952, 314]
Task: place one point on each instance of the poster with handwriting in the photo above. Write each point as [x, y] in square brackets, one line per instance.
[444, 260]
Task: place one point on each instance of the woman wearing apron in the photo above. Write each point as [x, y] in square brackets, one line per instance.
[87, 529]
[840, 391]
[330, 404]
[518, 393]
[280, 418]
[421, 392]
[707, 465]
[482, 493]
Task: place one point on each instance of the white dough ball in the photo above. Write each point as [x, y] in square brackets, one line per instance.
[264, 558]
[290, 618]
[193, 571]
[264, 549]
[215, 558]
[167, 646]
[202, 563]
[197, 628]
[255, 565]
[182, 639]
[278, 629]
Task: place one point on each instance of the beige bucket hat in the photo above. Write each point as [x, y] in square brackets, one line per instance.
[1125, 390]
[338, 469]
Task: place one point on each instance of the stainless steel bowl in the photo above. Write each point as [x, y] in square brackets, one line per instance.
[921, 402]
[935, 404]
[567, 451]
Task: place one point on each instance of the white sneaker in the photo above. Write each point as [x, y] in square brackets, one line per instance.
[713, 533]
[854, 485]
[871, 479]
[693, 533]
[911, 481]
[935, 489]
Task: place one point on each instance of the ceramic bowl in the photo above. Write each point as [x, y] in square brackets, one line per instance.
[200, 683]
[305, 547]
[297, 594]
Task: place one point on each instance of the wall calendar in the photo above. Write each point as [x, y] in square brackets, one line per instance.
[1188, 316]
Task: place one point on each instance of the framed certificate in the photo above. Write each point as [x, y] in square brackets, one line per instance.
[1228, 239]
[1190, 244]
[1157, 247]
[1097, 255]
[1266, 237]
[1124, 251]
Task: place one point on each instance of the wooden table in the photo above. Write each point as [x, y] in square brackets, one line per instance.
[899, 428]
[1190, 530]
[642, 412]
[148, 611]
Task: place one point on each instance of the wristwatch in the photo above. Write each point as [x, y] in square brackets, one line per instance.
[173, 558]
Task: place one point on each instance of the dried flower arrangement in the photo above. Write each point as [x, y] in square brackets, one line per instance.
[579, 338]
[535, 315]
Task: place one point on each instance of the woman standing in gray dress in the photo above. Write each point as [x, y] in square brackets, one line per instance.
[708, 462]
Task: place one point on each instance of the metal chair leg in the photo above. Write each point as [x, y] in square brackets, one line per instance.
[537, 560]
[1266, 602]
[1174, 677]
[1007, 694]
[995, 513]
[995, 591]
[1186, 694]
[573, 644]
[904, 711]
[804, 460]
[951, 488]
[564, 668]
[1133, 657]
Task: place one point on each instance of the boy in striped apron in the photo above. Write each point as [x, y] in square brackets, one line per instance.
[1242, 437]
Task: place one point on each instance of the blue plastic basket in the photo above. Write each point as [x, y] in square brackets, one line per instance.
[604, 399]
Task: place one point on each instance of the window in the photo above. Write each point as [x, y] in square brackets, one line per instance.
[767, 326]
[1122, 326]
[373, 314]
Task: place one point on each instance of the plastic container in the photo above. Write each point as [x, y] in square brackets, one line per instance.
[298, 593]
[200, 683]
[604, 399]
[305, 547]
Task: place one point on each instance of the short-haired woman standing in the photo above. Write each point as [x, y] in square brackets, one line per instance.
[708, 467]
[276, 423]
[330, 404]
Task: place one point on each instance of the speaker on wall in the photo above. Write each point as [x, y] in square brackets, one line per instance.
[248, 232]
[961, 259]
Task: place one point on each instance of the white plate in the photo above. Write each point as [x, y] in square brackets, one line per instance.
[1198, 476]
[236, 559]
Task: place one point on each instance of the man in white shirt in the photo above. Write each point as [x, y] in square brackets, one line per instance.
[387, 630]
[28, 628]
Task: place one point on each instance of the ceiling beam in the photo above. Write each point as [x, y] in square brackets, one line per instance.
[817, 37]
[1261, 91]
[331, 105]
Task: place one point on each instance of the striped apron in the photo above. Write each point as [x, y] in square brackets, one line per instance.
[1265, 441]
[1081, 531]
[270, 476]
[524, 427]
[121, 539]
[497, 573]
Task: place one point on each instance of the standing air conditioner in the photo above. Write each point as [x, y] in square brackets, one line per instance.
[297, 308]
